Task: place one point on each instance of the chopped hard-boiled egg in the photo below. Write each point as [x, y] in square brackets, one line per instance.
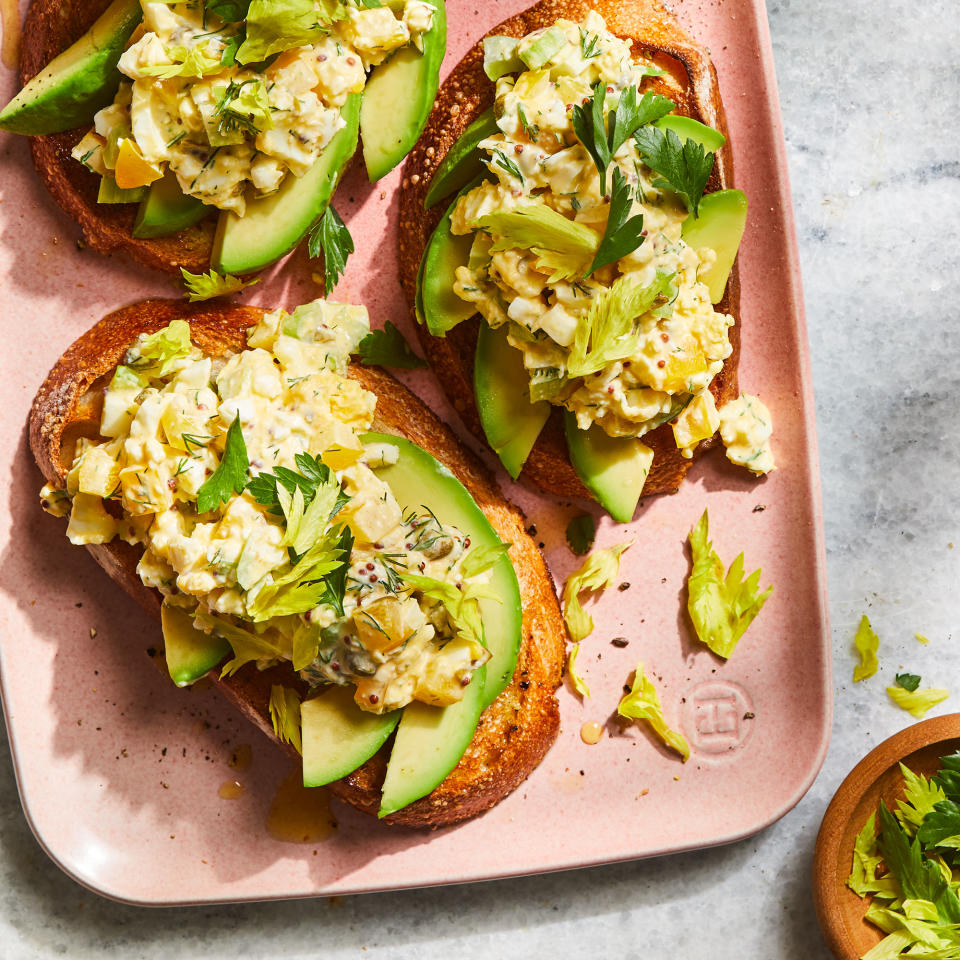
[745, 428]
[699, 421]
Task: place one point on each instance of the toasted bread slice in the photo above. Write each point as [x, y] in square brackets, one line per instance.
[515, 731]
[691, 82]
[50, 27]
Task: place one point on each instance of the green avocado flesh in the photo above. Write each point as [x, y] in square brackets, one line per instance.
[80, 81]
[463, 161]
[686, 128]
[719, 225]
[109, 192]
[511, 422]
[417, 479]
[338, 736]
[430, 742]
[167, 209]
[441, 308]
[272, 226]
[418, 296]
[613, 469]
[398, 98]
[190, 652]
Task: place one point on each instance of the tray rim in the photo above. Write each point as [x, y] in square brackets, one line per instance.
[793, 288]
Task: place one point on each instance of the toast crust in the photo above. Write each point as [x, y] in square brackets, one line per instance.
[515, 731]
[49, 28]
[691, 82]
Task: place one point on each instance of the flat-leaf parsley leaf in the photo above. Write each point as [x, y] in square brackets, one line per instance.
[621, 236]
[580, 534]
[388, 348]
[331, 238]
[683, 165]
[602, 136]
[230, 476]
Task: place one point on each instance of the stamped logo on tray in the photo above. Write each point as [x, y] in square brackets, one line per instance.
[718, 717]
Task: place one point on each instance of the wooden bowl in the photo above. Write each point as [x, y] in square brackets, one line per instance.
[876, 777]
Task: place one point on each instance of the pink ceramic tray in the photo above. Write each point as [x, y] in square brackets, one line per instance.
[120, 773]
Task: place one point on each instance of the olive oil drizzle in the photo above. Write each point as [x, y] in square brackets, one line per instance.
[300, 814]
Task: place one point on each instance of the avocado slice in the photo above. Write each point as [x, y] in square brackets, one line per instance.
[398, 98]
[613, 469]
[418, 295]
[463, 161]
[442, 309]
[686, 128]
[418, 478]
[167, 209]
[109, 192]
[719, 225]
[510, 420]
[430, 742]
[272, 226]
[70, 89]
[190, 652]
[338, 736]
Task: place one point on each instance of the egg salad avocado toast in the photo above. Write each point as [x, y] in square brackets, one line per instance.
[307, 530]
[212, 133]
[576, 178]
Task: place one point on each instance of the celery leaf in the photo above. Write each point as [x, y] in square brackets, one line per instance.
[563, 247]
[154, 355]
[863, 870]
[285, 715]
[579, 684]
[277, 25]
[206, 286]
[598, 572]
[609, 331]
[866, 643]
[643, 703]
[721, 607]
[918, 702]
[919, 879]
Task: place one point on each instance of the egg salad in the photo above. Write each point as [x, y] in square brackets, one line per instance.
[577, 237]
[233, 108]
[745, 428]
[247, 482]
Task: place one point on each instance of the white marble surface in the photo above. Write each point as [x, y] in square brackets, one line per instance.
[868, 90]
